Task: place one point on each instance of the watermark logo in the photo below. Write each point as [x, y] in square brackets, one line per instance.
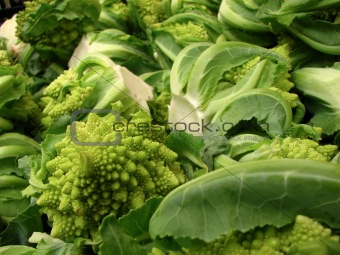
[73, 127]
[195, 128]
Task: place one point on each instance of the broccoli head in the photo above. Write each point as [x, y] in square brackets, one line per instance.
[95, 83]
[146, 12]
[269, 240]
[290, 147]
[89, 181]
[4, 59]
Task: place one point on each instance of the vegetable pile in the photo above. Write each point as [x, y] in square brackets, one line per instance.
[163, 127]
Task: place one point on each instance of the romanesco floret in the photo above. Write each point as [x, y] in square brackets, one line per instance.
[307, 229]
[283, 50]
[4, 59]
[64, 95]
[213, 248]
[267, 240]
[303, 148]
[291, 98]
[235, 74]
[54, 89]
[283, 83]
[90, 182]
[150, 12]
[294, 148]
[186, 33]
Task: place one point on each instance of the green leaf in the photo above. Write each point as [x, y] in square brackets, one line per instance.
[16, 250]
[11, 186]
[48, 152]
[9, 166]
[303, 131]
[272, 112]
[10, 88]
[320, 88]
[236, 14]
[183, 64]
[166, 44]
[186, 146]
[320, 35]
[10, 208]
[247, 195]
[136, 222]
[48, 245]
[21, 227]
[115, 239]
[219, 58]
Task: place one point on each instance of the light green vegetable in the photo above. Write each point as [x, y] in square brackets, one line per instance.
[239, 22]
[104, 166]
[250, 195]
[95, 83]
[289, 147]
[173, 34]
[123, 49]
[146, 13]
[321, 90]
[18, 110]
[57, 26]
[114, 14]
[303, 235]
[316, 23]
[211, 82]
[173, 7]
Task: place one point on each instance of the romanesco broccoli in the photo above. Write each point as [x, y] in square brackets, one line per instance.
[95, 83]
[4, 59]
[280, 84]
[186, 33]
[267, 240]
[90, 182]
[57, 23]
[290, 147]
[147, 12]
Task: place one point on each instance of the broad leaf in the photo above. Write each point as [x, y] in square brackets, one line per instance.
[21, 227]
[116, 241]
[136, 222]
[247, 195]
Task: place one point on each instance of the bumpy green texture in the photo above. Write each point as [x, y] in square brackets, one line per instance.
[147, 12]
[293, 148]
[4, 60]
[56, 103]
[282, 83]
[96, 82]
[187, 32]
[268, 240]
[90, 182]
